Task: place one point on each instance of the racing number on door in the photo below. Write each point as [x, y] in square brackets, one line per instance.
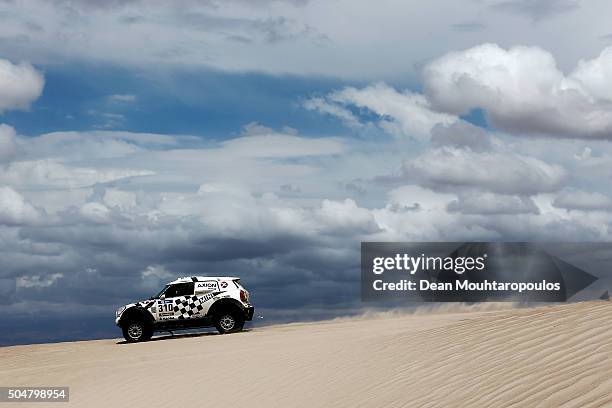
[166, 307]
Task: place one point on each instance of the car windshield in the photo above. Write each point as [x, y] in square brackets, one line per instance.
[160, 292]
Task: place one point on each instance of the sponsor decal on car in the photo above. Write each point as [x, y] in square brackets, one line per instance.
[205, 286]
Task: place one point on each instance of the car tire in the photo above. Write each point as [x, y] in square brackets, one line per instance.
[136, 331]
[228, 321]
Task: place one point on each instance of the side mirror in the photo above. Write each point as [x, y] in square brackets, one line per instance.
[162, 297]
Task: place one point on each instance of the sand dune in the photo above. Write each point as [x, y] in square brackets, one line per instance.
[556, 356]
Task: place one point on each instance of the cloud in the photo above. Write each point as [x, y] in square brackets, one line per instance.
[8, 143]
[290, 37]
[497, 172]
[117, 198]
[323, 106]
[90, 145]
[493, 204]
[52, 173]
[156, 272]
[14, 209]
[20, 85]
[414, 213]
[281, 145]
[256, 129]
[595, 75]
[461, 134]
[400, 113]
[95, 212]
[38, 281]
[522, 91]
[468, 27]
[122, 98]
[537, 9]
[108, 120]
[583, 200]
[341, 216]
[413, 197]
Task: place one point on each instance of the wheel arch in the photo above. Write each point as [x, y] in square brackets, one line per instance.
[136, 312]
[225, 304]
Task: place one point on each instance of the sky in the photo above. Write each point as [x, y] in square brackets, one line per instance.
[141, 141]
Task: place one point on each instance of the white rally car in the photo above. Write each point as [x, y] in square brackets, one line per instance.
[188, 303]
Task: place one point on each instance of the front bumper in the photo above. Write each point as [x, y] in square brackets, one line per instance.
[118, 317]
[248, 316]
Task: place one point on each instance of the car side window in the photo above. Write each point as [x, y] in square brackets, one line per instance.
[179, 289]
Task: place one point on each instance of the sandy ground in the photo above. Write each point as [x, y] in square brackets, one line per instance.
[556, 356]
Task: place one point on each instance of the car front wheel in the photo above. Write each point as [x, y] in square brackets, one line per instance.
[136, 330]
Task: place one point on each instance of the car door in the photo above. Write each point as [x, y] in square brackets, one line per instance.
[178, 302]
[164, 309]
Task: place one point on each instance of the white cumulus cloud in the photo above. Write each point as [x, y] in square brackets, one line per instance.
[522, 90]
[20, 85]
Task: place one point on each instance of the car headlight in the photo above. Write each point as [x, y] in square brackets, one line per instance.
[119, 311]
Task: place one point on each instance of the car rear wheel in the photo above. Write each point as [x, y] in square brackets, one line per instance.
[136, 330]
[228, 322]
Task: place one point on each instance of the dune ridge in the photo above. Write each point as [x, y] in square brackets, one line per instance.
[551, 356]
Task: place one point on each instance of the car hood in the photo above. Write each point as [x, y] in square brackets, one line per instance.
[143, 303]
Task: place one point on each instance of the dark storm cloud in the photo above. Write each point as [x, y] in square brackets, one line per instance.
[207, 248]
[111, 273]
[283, 274]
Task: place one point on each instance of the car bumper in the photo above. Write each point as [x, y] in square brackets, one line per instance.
[249, 313]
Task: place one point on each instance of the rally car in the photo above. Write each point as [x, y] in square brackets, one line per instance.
[188, 303]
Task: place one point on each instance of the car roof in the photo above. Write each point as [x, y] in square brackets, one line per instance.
[202, 278]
